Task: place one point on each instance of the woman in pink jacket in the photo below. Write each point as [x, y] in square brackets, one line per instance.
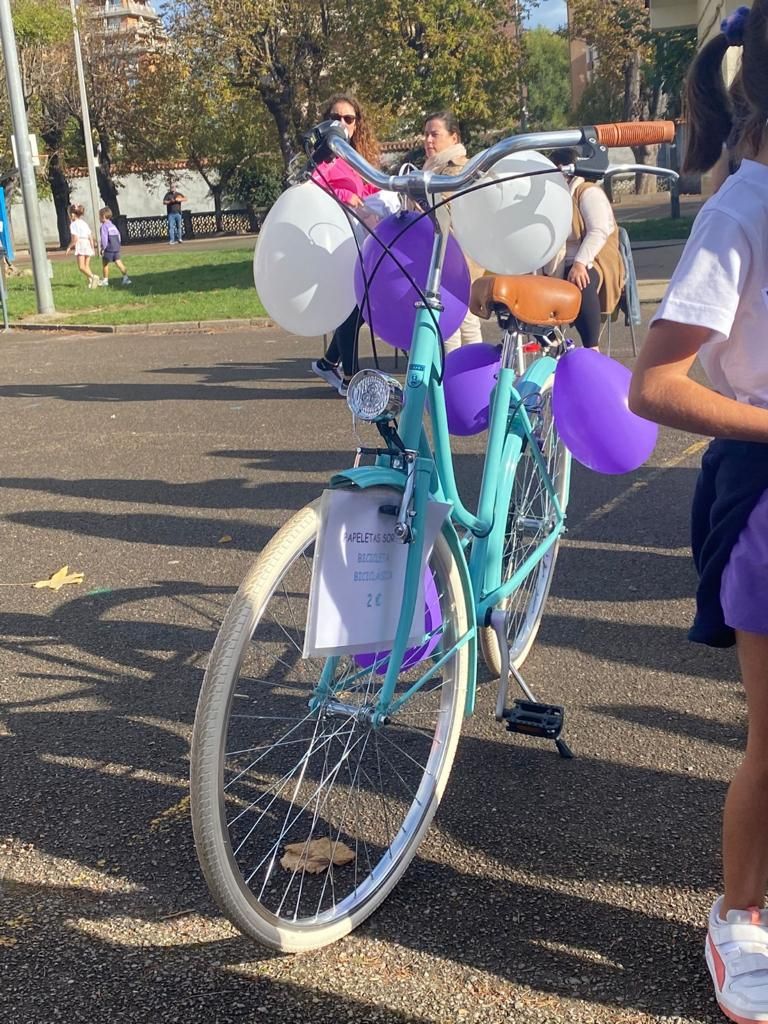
[346, 184]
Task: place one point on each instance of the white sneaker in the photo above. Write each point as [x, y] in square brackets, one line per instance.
[93, 281]
[127, 280]
[737, 956]
[328, 372]
[104, 282]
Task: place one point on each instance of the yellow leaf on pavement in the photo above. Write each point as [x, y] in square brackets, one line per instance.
[59, 579]
[225, 539]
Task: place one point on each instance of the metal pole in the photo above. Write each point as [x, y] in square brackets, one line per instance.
[37, 251]
[87, 136]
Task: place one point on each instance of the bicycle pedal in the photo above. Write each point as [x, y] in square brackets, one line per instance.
[534, 719]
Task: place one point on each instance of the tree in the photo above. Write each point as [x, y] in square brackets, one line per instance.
[185, 108]
[275, 51]
[548, 66]
[418, 56]
[644, 70]
[404, 58]
[42, 28]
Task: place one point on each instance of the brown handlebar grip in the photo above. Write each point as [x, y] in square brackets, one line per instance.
[635, 133]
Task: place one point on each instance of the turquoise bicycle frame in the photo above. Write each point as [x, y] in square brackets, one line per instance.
[434, 478]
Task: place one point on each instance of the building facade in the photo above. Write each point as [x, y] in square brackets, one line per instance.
[703, 15]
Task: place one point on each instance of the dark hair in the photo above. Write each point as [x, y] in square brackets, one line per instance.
[106, 213]
[717, 115]
[77, 210]
[364, 139]
[563, 156]
[448, 119]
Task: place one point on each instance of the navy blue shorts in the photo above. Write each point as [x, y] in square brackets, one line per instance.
[733, 479]
[110, 255]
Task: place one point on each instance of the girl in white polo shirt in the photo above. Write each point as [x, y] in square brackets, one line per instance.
[716, 308]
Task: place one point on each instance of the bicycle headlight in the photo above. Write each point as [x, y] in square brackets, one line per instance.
[374, 396]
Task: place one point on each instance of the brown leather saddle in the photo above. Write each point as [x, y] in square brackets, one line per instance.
[536, 304]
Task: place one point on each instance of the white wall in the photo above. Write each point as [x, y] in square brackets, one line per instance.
[137, 197]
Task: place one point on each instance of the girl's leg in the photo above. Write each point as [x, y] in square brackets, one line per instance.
[745, 823]
[84, 266]
[587, 323]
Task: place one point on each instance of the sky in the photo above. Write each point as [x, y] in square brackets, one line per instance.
[549, 14]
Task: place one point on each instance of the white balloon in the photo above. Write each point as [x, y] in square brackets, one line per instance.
[514, 227]
[304, 262]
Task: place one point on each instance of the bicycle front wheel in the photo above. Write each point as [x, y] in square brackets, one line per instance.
[306, 816]
[530, 519]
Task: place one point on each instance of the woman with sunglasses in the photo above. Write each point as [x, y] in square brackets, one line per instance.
[346, 184]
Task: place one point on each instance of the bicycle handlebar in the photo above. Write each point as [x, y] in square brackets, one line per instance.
[331, 135]
[635, 133]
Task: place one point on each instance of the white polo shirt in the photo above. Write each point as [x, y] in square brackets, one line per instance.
[721, 282]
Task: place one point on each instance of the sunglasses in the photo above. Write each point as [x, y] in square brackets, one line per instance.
[347, 118]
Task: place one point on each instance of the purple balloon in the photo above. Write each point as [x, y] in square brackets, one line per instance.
[413, 655]
[591, 410]
[390, 308]
[470, 376]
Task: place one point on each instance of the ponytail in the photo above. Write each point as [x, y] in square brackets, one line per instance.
[754, 75]
[738, 116]
[710, 111]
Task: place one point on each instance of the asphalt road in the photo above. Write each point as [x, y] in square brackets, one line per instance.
[548, 891]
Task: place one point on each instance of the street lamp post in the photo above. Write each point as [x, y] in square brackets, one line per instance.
[43, 290]
[87, 135]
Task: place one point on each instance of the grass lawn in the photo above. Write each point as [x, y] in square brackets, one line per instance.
[178, 285]
[659, 229]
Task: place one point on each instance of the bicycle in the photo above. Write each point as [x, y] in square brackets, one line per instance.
[315, 777]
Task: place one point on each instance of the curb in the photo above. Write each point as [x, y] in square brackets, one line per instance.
[166, 327]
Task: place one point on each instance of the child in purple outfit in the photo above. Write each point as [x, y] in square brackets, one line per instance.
[110, 240]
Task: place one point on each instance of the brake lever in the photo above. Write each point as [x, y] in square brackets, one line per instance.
[315, 141]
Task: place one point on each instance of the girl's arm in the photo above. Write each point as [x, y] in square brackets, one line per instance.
[662, 391]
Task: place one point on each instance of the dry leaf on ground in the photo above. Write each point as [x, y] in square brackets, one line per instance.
[315, 856]
[59, 579]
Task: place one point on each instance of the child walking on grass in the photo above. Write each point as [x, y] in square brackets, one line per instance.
[82, 243]
[716, 308]
[110, 247]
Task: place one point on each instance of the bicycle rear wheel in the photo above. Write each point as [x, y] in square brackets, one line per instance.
[531, 518]
[270, 776]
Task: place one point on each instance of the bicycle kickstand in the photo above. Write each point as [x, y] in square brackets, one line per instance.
[529, 716]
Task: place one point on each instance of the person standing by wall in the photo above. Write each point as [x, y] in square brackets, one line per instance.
[173, 200]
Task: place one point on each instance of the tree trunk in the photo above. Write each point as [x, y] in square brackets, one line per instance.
[107, 184]
[216, 191]
[645, 184]
[60, 189]
[280, 105]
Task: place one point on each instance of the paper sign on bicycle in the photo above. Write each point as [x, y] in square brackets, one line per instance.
[358, 574]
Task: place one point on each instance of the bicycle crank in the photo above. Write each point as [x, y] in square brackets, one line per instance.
[529, 717]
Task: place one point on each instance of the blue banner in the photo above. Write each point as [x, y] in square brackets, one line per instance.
[6, 240]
